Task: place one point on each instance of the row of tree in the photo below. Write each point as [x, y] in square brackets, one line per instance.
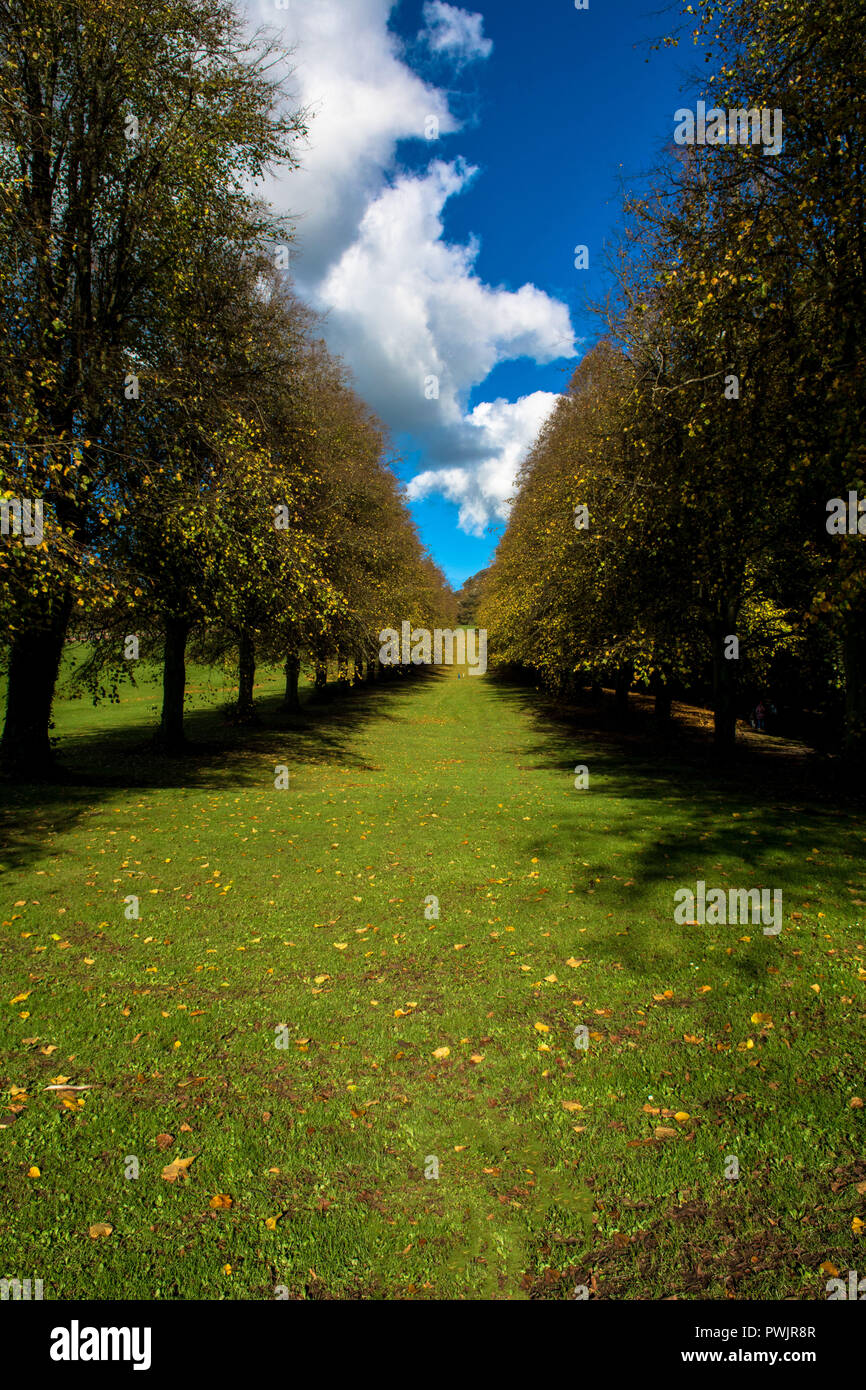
[673, 522]
[203, 467]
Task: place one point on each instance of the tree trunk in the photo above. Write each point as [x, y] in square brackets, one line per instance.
[292, 699]
[623, 685]
[663, 697]
[724, 686]
[33, 668]
[171, 735]
[246, 677]
[854, 652]
[371, 670]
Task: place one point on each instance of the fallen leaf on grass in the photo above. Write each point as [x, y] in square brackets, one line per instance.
[174, 1170]
[100, 1228]
[442, 1052]
[34, 1172]
[221, 1202]
[164, 1141]
[571, 1105]
[542, 1027]
[663, 1132]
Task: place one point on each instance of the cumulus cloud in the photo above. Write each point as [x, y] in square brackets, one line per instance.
[505, 431]
[410, 308]
[455, 32]
[348, 71]
[406, 309]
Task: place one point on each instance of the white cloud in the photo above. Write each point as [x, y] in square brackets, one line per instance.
[362, 98]
[506, 431]
[455, 32]
[408, 306]
[402, 304]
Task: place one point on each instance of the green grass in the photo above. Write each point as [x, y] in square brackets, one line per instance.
[306, 908]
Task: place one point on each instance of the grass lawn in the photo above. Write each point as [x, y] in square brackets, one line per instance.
[285, 1014]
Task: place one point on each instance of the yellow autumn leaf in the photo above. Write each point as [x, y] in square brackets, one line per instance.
[100, 1228]
[174, 1170]
[858, 1226]
[542, 1028]
[571, 1105]
[34, 1172]
[19, 998]
[221, 1202]
[442, 1052]
[682, 1116]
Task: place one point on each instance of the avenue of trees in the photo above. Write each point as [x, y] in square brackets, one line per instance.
[707, 431]
[209, 480]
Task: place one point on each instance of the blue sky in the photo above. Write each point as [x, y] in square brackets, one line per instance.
[453, 258]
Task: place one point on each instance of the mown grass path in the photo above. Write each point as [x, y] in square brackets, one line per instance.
[285, 1014]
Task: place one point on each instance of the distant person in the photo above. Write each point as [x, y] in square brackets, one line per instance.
[760, 715]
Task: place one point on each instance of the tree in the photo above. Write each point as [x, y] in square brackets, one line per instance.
[121, 128]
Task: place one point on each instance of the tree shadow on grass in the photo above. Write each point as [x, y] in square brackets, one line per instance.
[672, 815]
[221, 754]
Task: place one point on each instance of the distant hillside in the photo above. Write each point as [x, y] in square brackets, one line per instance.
[469, 597]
